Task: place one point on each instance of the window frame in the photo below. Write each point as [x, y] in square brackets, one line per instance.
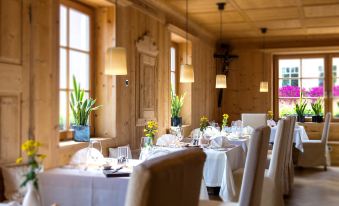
[67, 134]
[328, 97]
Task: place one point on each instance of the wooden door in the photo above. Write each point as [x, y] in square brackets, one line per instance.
[14, 89]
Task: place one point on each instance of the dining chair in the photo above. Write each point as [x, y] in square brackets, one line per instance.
[288, 166]
[254, 120]
[288, 173]
[316, 151]
[273, 182]
[173, 179]
[252, 185]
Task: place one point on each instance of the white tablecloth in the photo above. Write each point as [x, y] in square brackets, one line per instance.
[219, 165]
[300, 135]
[69, 187]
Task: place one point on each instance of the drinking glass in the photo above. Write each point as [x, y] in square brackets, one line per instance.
[122, 155]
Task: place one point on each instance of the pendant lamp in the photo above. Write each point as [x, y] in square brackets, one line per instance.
[221, 79]
[186, 70]
[116, 58]
[263, 84]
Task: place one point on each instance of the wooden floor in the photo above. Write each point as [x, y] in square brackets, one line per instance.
[315, 187]
[312, 187]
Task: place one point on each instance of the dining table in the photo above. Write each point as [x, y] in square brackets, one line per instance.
[69, 185]
[299, 136]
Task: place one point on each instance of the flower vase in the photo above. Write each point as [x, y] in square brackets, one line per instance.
[32, 196]
[201, 137]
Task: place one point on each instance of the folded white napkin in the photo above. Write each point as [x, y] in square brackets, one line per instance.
[211, 131]
[166, 140]
[85, 156]
[248, 130]
[219, 142]
[271, 123]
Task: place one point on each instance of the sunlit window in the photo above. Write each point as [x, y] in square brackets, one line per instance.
[173, 68]
[74, 55]
[300, 76]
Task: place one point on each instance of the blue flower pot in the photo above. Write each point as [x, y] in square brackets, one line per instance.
[81, 133]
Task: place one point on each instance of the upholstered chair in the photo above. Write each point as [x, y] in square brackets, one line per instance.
[252, 184]
[254, 120]
[316, 151]
[170, 180]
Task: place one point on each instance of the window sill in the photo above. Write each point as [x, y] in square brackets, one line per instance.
[71, 143]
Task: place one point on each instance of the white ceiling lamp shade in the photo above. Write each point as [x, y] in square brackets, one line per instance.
[263, 86]
[186, 70]
[116, 61]
[186, 73]
[220, 81]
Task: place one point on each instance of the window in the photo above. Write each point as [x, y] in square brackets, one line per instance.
[74, 55]
[173, 68]
[315, 76]
[299, 76]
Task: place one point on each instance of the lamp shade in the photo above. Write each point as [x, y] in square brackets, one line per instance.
[186, 73]
[116, 61]
[263, 86]
[220, 81]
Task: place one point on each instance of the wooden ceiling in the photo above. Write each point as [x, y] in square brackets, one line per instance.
[244, 18]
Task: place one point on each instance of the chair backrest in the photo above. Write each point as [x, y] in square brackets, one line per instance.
[326, 129]
[288, 170]
[275, 170]
[174, 179]
[252, 183]
[254, 120]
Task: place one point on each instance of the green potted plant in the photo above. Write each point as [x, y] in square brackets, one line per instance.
[317, 108]
[81, 109]
[300, 110]
[176, 106]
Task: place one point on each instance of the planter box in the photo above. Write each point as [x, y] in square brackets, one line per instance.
[81, 133]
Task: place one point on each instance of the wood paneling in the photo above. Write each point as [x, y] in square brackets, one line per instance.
[9, 128]
[11, 31]
[14, 93]
[287, 17]
[105, 86]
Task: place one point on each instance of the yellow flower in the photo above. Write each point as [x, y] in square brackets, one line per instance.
[41, 156]
[19, 160]
[225, 116]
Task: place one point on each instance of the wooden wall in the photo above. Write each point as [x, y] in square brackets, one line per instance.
[14, 81]
[29, 79]
[242, 94]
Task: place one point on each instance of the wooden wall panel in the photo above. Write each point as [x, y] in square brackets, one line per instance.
[10, 31]
[13, 83]
[105, 86]
[9, 128]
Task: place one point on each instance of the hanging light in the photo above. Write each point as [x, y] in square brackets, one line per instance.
[263, 84]
[186, 70]
[186, 73]
[116, 58]
[116, 61]
[220, 81]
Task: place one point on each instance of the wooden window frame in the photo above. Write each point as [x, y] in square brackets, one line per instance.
[69, 4]
[328, 98]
